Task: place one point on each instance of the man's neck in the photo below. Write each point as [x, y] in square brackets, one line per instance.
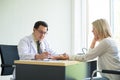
[34, 37]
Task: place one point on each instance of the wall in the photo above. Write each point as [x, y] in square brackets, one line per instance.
[17, 18]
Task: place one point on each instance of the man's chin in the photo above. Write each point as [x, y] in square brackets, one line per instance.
[40, 39]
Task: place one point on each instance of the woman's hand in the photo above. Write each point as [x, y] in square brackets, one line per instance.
[60, 57]
[95, 39]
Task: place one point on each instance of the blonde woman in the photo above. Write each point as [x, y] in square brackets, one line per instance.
[106, 50]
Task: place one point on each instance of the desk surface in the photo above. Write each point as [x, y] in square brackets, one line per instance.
[47, 62]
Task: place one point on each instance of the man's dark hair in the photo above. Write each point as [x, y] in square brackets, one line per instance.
[42, 23]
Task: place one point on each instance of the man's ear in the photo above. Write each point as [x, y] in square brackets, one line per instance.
[33, 29]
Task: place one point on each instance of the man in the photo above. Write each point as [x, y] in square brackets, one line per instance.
[35, 46]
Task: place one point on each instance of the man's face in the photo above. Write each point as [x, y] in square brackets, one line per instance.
[40, 32]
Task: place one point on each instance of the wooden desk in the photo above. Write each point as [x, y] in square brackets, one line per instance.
[47, 70]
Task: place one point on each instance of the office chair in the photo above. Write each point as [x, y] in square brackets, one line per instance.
[117, 72]
[9, 53]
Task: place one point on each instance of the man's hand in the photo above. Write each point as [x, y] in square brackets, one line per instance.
[42, 55]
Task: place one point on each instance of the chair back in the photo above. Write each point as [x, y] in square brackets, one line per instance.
[9, 53]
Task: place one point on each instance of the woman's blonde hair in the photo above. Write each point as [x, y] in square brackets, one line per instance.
[102, 27]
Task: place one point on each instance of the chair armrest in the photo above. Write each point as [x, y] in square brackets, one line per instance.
[7, 65]
[111, 71]
[117, 72]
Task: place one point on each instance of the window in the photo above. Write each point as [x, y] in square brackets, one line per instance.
[116, 21]
[110, 11]
[85, 12]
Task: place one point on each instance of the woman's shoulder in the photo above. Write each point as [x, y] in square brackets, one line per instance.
[109, 41]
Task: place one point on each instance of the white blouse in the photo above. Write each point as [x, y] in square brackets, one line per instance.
[107, 54]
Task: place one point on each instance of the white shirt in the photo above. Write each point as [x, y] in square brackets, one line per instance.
[107, 54]
[27, 48]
